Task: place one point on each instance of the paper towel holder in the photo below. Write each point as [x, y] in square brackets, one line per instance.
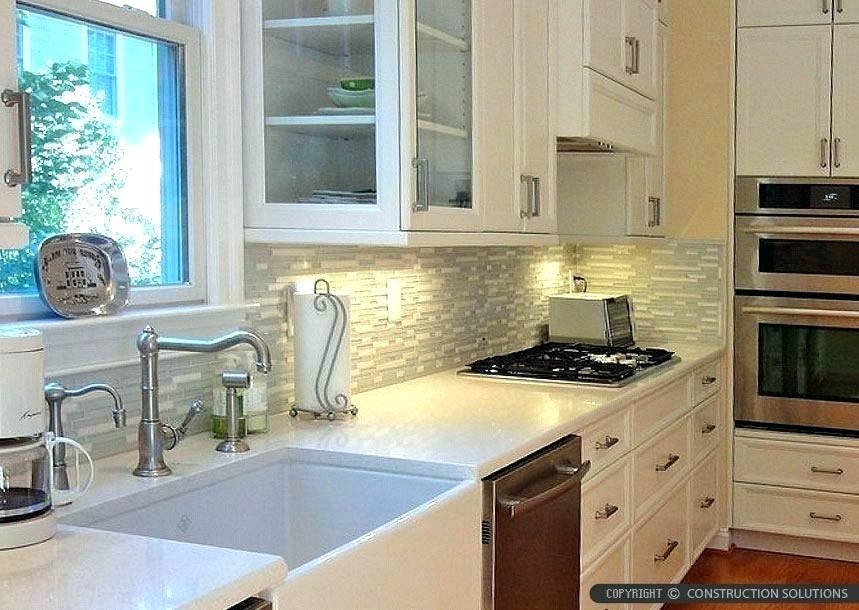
[341, 403]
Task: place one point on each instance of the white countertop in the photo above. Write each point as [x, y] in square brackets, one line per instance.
[442, 424]
[92, 569]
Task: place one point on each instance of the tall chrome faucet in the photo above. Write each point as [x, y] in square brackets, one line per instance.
[153, 435]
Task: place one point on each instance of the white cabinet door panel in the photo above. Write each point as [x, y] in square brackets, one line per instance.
[784, 12]
[845, 92]
[846, 11]
[783, 101]
[10, 197]
[603, 32]
[640, 22]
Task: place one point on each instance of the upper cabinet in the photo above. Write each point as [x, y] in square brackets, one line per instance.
[360, 123]
[814, 133]
[607, 84]
[14, 152]
[752, 13]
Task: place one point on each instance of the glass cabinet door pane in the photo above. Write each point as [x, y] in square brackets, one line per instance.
[443, 98]
[319, 99]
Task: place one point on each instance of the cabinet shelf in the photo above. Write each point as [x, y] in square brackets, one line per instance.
[429, 34]
[337, 126]
[447, 130]
[346, 35]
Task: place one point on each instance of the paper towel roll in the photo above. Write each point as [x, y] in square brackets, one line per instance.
[322, 371]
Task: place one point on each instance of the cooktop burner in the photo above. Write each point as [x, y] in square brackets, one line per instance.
[573, 363]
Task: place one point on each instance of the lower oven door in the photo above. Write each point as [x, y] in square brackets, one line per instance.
[797, 254]
[796, 364]
[532, 530]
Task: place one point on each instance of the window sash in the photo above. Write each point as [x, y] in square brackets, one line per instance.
[17, 307]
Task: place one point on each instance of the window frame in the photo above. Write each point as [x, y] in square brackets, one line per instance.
[196, 291]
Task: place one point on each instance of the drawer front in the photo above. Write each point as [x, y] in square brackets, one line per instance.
[706, 381]
[660, 545]
[706, 427]
[606, 510]
[704, 504]
[803, 465]
[659, 465]
[605, 441]
[795, 512]
[613, 568]
[651, 414]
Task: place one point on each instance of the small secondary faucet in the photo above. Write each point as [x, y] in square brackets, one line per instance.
[55, 394]
[153, 435]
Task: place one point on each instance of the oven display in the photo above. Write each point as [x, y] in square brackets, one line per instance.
[830, 197]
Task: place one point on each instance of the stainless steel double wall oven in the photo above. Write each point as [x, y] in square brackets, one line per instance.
[796, 304]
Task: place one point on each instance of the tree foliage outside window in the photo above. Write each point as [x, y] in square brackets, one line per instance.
[77, 175]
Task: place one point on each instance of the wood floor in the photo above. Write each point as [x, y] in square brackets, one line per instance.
[740, 566]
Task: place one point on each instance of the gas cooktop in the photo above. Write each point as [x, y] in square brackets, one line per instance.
[574, 363]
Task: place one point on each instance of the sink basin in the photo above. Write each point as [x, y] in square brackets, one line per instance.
[331, 523]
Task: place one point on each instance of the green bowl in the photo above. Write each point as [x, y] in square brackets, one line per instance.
[358, 84]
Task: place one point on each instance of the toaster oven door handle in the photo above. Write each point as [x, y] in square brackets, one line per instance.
[800, 311]
[794, 230]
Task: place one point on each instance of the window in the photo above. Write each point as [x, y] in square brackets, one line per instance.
[110, 109]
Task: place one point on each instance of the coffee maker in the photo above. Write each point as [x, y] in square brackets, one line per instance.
[27, 493]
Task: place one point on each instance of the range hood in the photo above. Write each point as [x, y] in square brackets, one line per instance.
[579, 145]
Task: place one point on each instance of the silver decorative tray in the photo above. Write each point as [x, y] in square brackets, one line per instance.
[82, 274]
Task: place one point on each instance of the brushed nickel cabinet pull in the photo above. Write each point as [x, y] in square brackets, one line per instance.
[422, 201]
[526, 210]
[824, 154]
[629, 61]
[836, 152]
[708, 380]
[835, 471]
[664, 555]
[24, 176]
[535, 197]
[608, 443]
[673, 458]
[708, 428]
[835, 517]
[825, 7]
[606, 512]
[839, 6]
[707, 502]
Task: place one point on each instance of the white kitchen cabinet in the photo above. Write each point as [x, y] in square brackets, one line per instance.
[596, 106]
[845, 92]
[515, 116]
[784, 12]
[649, 216]
[12, 235]
[783, 101]
[845, 11]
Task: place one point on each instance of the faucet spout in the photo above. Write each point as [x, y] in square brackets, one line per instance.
[238, 337]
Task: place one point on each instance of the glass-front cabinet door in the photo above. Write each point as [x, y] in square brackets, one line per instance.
[321, 114]
[437, 94]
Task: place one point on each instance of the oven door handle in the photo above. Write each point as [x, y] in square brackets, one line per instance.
[517, 505]
[815, 231]
[799, 311]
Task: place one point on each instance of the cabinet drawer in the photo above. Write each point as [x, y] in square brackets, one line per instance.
[651, 414]
[703, 504]
[613, 568]
[660, 545]
[659, 464]
[803, 465]
[706, 381]
[706, 427]
[606, 510]
[605, 441]
[814, 514]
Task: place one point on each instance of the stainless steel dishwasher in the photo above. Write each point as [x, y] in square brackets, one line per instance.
[531, 530]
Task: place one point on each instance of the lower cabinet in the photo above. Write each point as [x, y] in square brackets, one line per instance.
[660, 544]
[703, 504]
[613, 567]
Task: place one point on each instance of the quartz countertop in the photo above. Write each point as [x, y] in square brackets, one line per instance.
[442, 424]
[92, 569]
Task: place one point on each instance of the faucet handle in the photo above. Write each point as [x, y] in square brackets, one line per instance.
[172, 435]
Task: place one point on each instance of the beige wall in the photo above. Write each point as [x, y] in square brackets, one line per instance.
[699, 118]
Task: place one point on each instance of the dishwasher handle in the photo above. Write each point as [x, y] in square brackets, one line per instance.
[517, 505]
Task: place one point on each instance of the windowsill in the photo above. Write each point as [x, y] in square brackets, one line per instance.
[95, 343]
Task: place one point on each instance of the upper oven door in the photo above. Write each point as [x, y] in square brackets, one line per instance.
[797, 196]
[796, 363]
[801, 255]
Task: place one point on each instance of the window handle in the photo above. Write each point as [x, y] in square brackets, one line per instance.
[25, 175]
